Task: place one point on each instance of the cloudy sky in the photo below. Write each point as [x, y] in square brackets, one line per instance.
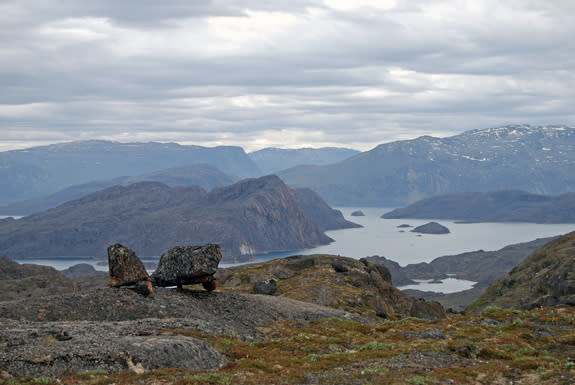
[283, 73]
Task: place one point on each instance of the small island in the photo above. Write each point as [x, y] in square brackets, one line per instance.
[358, 213]
[431, 228]
[403, 226]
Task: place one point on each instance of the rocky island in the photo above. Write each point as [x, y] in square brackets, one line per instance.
[431, 228]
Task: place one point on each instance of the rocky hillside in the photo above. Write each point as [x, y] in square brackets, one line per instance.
[344, 283]
[251, 216]
[44, 170]
[545, 278]
[203, 175]
[483, 267]
[535, 159]
[189, 336]
[499, 206]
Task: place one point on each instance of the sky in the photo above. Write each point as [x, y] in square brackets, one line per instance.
[280, 73]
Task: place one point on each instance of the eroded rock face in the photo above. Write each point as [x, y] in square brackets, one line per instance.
[125, 267]
[186, 265]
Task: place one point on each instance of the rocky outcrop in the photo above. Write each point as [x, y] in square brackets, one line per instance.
[545, 278]
[26, 280]
[357, 213]
[125, 267]
[353, 285]
[431, 228]
[80, 270]
[186, 265]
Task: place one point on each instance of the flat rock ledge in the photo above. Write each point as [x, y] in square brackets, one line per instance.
[117, 329]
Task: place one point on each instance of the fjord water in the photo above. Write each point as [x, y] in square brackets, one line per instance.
[382, 237]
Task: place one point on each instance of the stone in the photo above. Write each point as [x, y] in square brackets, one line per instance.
[427, 310]
[125, 267]
[144, 288]
[187, 265]
[267, 287]
[339, 266]
[468, 351]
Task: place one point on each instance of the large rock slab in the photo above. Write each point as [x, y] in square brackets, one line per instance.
[125, 267]
[187, 265]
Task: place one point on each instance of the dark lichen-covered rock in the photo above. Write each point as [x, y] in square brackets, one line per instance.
[186, 265]
[267, 287]
[125, 267]
[431, 228]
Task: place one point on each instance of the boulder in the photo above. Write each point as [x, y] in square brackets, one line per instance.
[431, 228]
[125, 267]
[267, 287]
[186, 265]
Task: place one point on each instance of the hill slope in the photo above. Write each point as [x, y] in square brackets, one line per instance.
[500, 206]
[44, 170]
[251, 216]
[535, 159]
[545, 278]
[203, 175]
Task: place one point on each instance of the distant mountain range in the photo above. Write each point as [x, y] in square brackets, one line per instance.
[203, 175]
[251, 216]
[271, 160]
[500, 206]
[535, 159]
[44, 170]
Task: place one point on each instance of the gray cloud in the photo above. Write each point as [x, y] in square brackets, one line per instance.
[282, 73]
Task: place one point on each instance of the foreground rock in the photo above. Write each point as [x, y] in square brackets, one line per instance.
[431, 228]
[125, 267]
[116, 329]
[545, 278]
[357, 286]
[187, 265]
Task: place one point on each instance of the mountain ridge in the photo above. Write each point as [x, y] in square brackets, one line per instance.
[532, 158]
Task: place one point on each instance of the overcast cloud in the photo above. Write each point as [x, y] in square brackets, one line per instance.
[285, 73]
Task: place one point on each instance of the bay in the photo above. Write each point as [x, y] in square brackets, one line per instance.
[383, 237]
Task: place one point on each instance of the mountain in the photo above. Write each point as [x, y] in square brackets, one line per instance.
[44, 170]
[271, 160]
[545, 278]
[251, 216]
[532, 158]
[500, 206]
[203, 175]
[316, 208]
